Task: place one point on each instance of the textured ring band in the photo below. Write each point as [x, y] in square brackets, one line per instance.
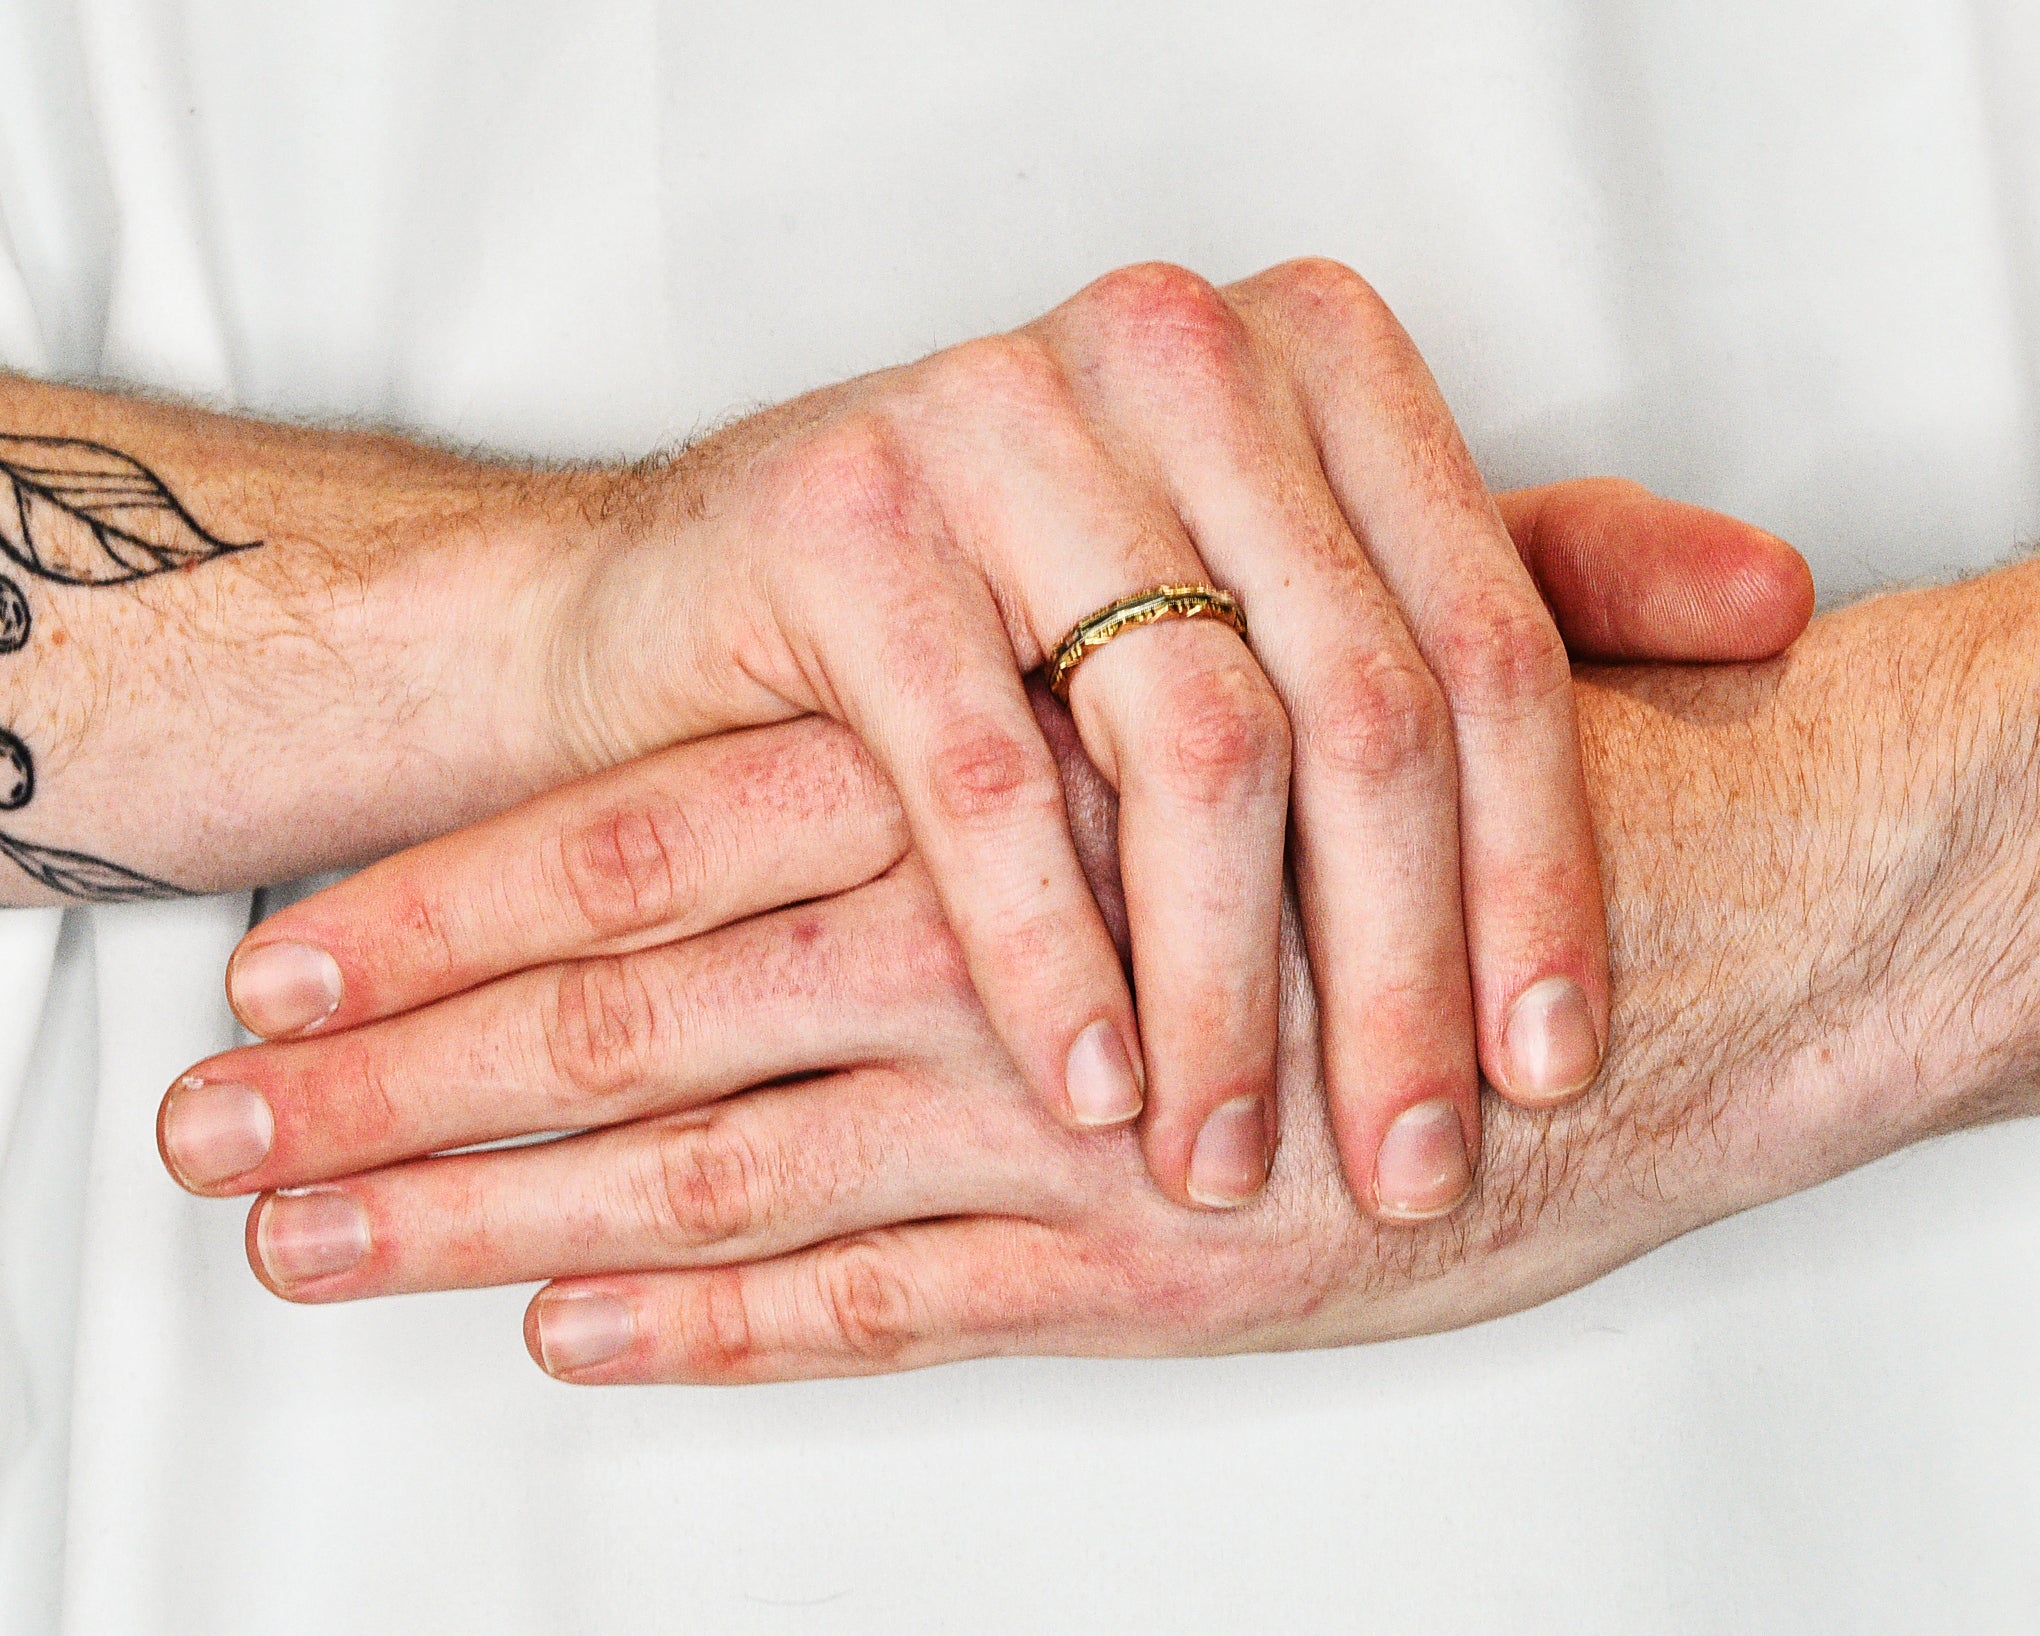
[1163, 602]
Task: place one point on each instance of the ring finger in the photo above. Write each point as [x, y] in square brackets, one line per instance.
[1181, 721]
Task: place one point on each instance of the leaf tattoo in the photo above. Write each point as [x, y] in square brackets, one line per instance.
[79, 513]
[78, 875]
[83, 514]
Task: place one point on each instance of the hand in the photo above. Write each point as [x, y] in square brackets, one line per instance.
[378, 642]
[896, 552]
[1027, 1240]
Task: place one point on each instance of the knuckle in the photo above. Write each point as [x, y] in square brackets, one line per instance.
[982, 773]
[718, 1336]
[630, 868]
[934, 973]
[602, 1028]
[1159, 316]
[1498, 653]
[1360, 351]
[848, 483]
[1223, 736]
[1015, 374]
[1157, 291]
[1322, 287]
[1379, 717]
[368, 1113]
[920, 963]
[707, 1185]
[867, 1306]
[1052, 945]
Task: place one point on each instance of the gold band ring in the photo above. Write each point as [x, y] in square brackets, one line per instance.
[1163, 602]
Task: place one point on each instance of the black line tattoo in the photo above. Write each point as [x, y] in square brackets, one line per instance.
[17, 773]
[78, 513]
[14, 616]
[81, 876]
[84, 514]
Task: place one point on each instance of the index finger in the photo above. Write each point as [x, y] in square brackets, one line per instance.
[678, 843]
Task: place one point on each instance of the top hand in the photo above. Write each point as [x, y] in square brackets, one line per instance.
[897, 551]
[633, 868]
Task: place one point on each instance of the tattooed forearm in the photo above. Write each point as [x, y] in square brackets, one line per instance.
[236, 651]
[75, 874]
[80, 514]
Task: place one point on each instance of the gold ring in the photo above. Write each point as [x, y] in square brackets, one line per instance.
[1163, 602]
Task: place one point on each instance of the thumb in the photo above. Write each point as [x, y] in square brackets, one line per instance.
[1631, 576]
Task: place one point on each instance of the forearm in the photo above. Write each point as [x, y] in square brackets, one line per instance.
[237, 652]
[1846, 845]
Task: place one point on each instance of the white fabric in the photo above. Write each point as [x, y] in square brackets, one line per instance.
[1782, 258]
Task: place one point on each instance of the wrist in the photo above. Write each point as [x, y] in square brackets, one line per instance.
[1936, 793]
[417, 647]
[645, 642]
[1818, 921]
[1976, 949]
[479, 607]
[339, 644]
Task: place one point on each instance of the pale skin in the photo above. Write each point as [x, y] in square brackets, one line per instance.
[1821, 876]
[326, 647]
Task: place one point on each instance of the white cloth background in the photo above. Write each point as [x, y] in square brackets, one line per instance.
[1782, 258]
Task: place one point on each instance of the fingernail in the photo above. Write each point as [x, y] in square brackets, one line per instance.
[1100, 1082]
[1422, 1170]
[581, 1329]
[283, 988]
[1553, 1049]
[1230, 1161]
[214, 1132]
[311, 1233]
